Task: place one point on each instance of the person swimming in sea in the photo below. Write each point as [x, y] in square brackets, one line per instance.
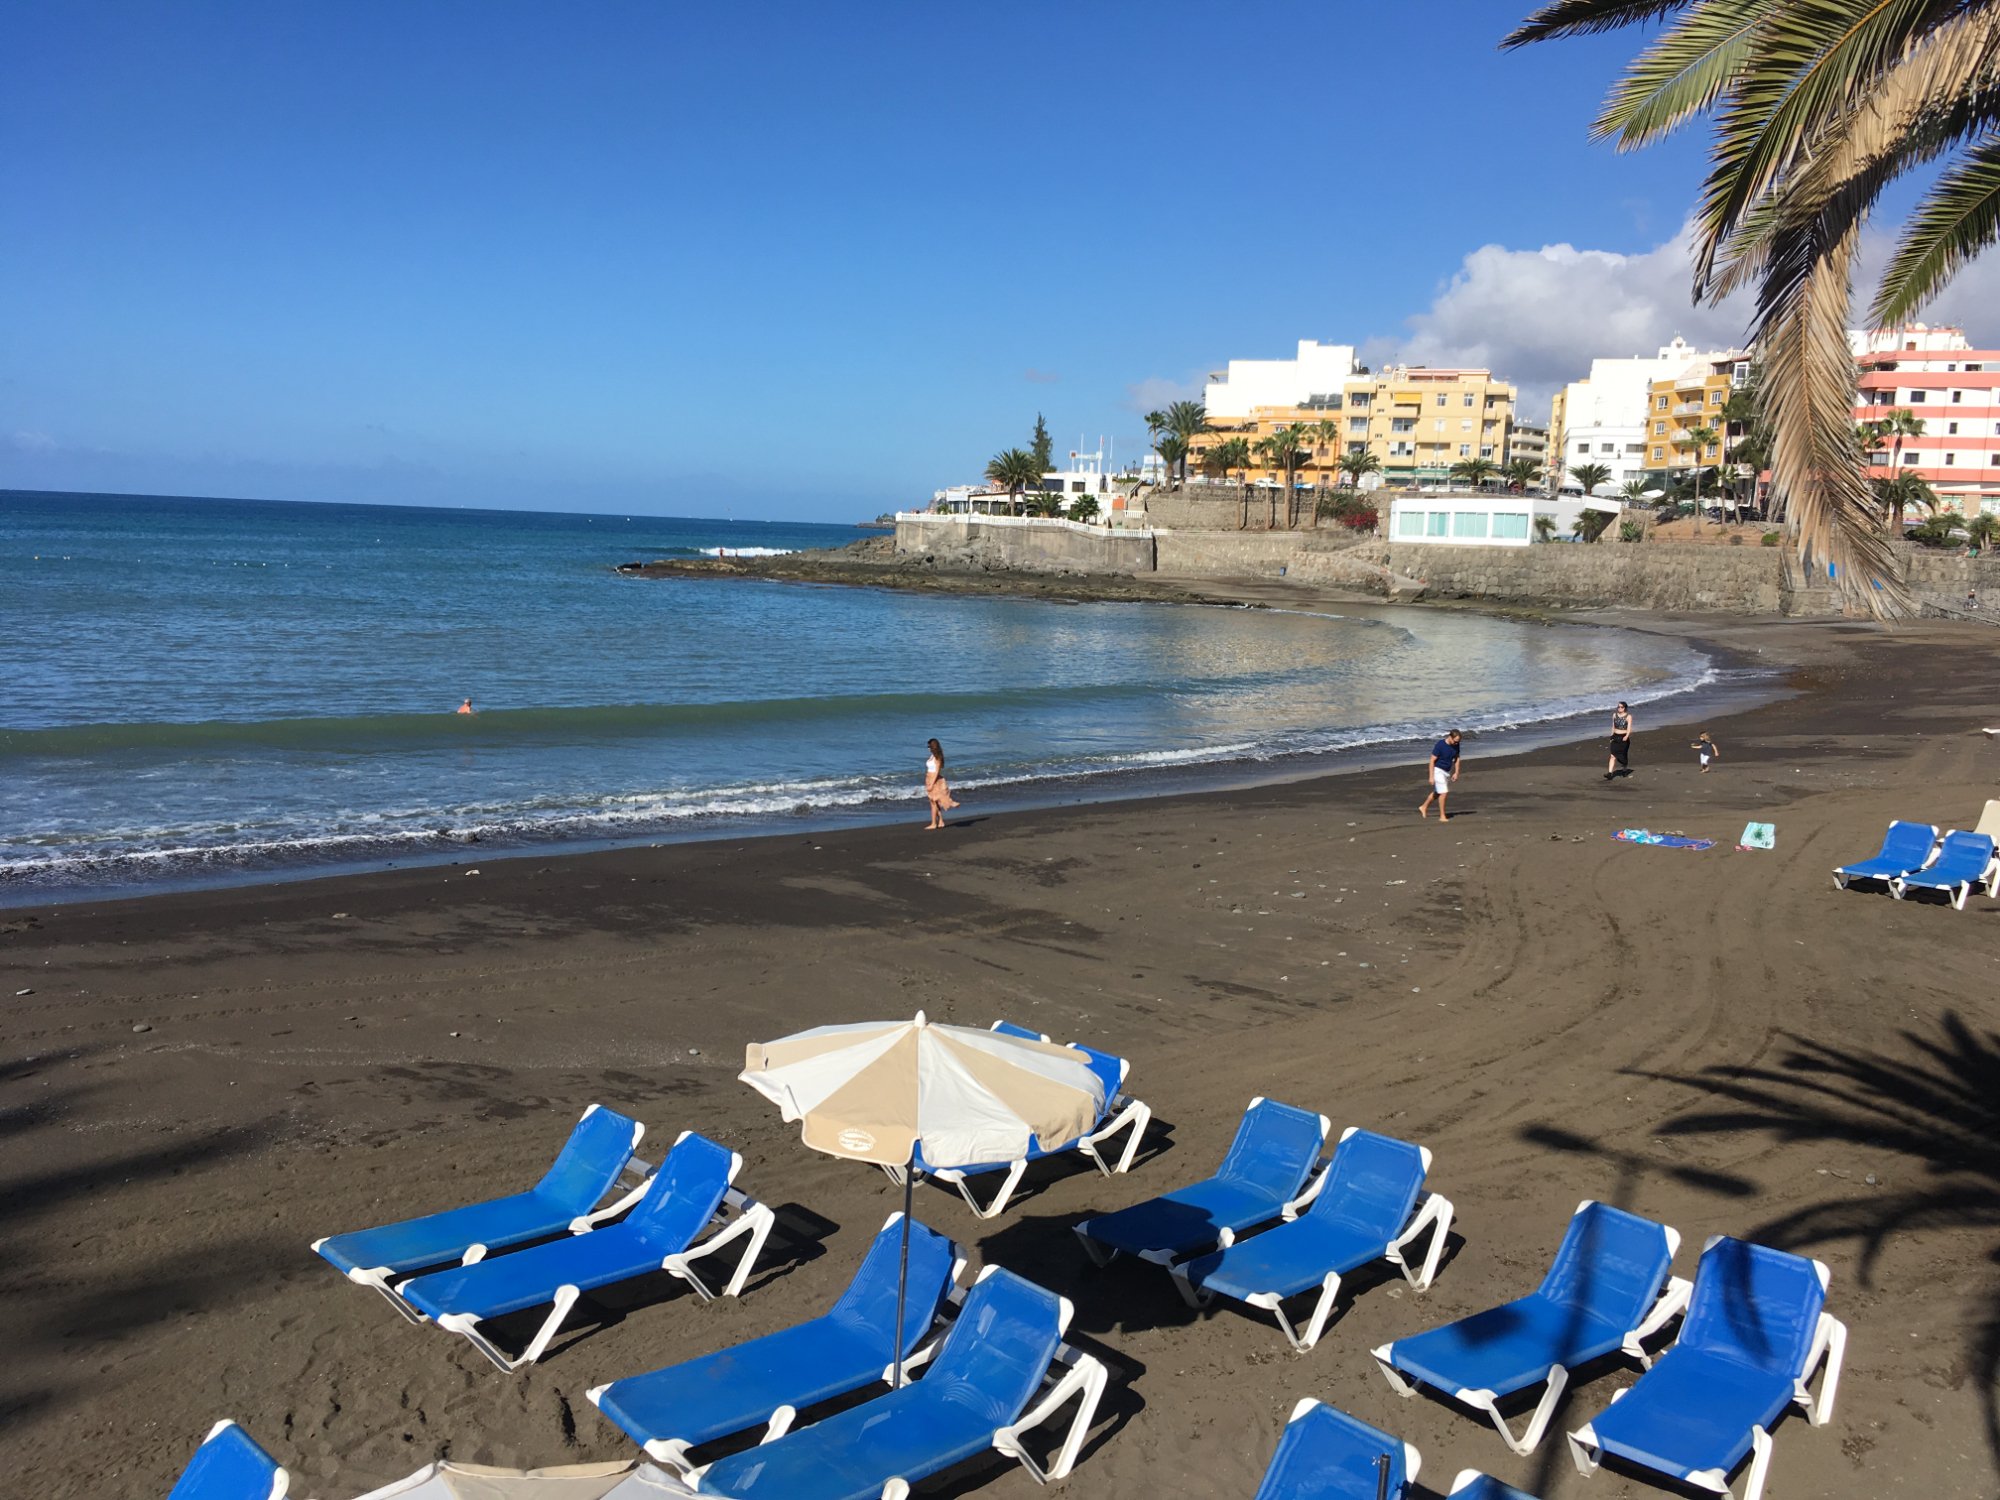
[467, 708]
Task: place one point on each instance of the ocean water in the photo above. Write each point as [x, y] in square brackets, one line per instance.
[199, 689]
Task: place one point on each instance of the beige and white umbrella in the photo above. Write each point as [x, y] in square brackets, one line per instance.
[884, 1092]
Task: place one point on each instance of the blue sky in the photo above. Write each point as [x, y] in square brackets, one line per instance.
[804, 261]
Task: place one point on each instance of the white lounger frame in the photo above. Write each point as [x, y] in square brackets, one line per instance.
[1433, 1213]
[1103, 1255]
[1829, 1349]
[641, 1173]
[1902, 885]
[673, 1452]
[1072, 1375]
[1841, 878]
[1413, 1461]
[751, 1218]
[1672, 1303]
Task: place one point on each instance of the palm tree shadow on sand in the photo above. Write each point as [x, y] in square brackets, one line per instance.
[1937, 1104]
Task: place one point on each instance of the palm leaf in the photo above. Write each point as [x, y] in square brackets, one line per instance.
[1959, 218]
[1682, 74]
[1582, 17]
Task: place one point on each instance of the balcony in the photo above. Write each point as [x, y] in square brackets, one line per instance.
[1689, 409]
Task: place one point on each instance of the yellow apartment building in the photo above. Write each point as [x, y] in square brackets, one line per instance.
[1418, 422]
[1679, 404]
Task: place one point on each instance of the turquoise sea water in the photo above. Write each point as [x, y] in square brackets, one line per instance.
[207, 687]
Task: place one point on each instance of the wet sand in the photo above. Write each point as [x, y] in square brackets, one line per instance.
[200, 1084]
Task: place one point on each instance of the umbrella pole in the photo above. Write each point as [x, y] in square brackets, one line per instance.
[902, 1275]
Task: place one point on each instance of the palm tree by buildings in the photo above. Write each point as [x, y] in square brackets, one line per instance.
[1324, 436]
[1284, 450]
[1818, 111]
[1701, 439]
[1899, 424]
[1357, 465]
[1590, 476]
[1186, 420]
[1903, 491]
[1522, 472]
[1474, 471]
[1173, 451]
[1545, 528]
[1014, 470]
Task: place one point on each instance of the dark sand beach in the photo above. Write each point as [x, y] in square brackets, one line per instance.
[198, 1085]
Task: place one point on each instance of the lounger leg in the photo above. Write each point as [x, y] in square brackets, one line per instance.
[1137, 1115]
[378, 1278]
[1329, 1289]
[999, 1202]
[1583, 1448]
[1100, 1255]
[1538, 1423]
[754, 1220]
[1191, 1294]
[468, 1325]
[672, 1453]
[1085, 1379]
[1830, 1344]
[1435, 1215]
[1397, 1383]
[1673, 1301]
[1760, 1464]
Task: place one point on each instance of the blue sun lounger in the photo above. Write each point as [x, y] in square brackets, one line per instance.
[1964, 861]
[1906, 848]
[1607, 1290]
[1325, 1454]
[230, 1466]
[599, 1149]
[1755, 1331]
[1266, 1165]
[1473, 1485]
[1363, 1208]
[1119, 1113]
[770, 1380]
[979, 1394]
[685, 1196]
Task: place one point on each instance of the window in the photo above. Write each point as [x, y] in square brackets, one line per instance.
[1442, 398]
[1916, 397]
[1510, 528]
[1661, 404]
[1435, 522]
[1607, 447]
[1957, 396]
[1357, 447]
[1741, 374]
[1715, 398]
[1909, 458]
[1357, 424]
[1950, 459]
[1468, 398]
[1469, 523]
[1402, 424]
[1465, 450]
[1974, 369]
[1410, 523]
[1951, 429]
[1659, 429]
[1657, 454]
[1486, 450]
[1465, 425]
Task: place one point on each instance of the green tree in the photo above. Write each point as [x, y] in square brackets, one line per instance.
[1818, 110]
[1186, 420]
[1356, 466]
[1474, 471]
[1083, 508]
[1903, 491]
[1014, 470]
[1522, 472]
[1633, 492]
[1324, 436]
[1701, 439]
[1284, 450]
[1041, 447]
[1173, 451]
[1591, 524]
[1590, 476]
[1983, 532]
[1899, 424]
[1545, 528]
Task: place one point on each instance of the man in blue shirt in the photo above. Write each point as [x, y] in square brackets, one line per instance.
[1444, 771]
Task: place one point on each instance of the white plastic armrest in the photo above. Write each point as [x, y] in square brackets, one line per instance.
[1830, 1344]
[916, 1359]
[1435, 1215]
[1134, 1114]
[752, 1219]
[583, 1223]
[1312, 1190]
[1673, 1302]
[1086, 1378]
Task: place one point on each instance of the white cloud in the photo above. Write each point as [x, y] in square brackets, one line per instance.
[1156, 392]
[34, 442]
[1538, 317]
[1041, 377]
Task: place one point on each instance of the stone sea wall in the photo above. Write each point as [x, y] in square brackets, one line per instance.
[1684, 576]
[1032, 544]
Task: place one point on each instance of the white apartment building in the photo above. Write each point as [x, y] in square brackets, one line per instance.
[1318, 371]
[1601, 419]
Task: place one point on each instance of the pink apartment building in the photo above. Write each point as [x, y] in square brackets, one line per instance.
[1954, 390]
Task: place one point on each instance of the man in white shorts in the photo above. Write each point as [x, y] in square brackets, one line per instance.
[1444, 771]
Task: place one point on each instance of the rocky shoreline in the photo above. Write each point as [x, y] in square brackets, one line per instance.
[875, 563]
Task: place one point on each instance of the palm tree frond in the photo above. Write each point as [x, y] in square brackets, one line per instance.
[1584, 17]
[1682, 74]
[1959, 218]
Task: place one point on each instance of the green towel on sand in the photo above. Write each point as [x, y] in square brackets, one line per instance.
[1758, 836]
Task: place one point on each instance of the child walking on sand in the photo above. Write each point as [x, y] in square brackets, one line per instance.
[936, 787]
[1707, 750]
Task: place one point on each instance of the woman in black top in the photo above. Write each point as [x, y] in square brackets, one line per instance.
[1621, 743]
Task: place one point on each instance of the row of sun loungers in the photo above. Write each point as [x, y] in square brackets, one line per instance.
[1913, 858]
[1264, 1230]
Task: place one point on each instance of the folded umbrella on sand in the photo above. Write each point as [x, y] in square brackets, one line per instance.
[876, 1091]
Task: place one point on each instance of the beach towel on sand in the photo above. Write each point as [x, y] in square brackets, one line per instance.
[1758, 836]
[1663, 840]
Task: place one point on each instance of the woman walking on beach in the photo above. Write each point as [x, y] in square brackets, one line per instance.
[936, 787]
[1619, 763]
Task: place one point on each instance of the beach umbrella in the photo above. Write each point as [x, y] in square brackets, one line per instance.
[445, 1480]
[878, 1091]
